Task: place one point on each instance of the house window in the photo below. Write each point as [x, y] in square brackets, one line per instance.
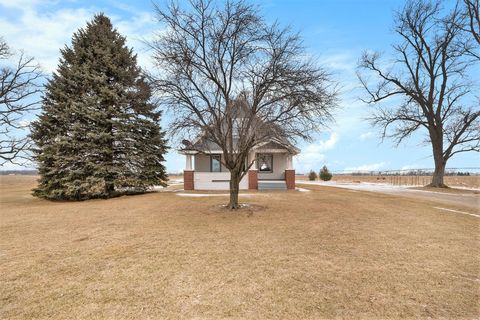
[215, 165]
[265, 162]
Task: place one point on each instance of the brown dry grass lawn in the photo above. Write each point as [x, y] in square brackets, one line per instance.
[329, 253]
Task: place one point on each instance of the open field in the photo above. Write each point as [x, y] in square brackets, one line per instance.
[452, 181]
[451, 196]
[328, 253]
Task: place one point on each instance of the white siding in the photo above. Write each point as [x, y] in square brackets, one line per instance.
[202, 163]
[216, 181]
[206, 180]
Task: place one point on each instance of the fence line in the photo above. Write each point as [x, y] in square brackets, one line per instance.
[415, 177]
[465, 171]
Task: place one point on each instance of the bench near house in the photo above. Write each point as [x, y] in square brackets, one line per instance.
[272, 168]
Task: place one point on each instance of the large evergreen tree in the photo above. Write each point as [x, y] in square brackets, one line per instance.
[98, 133]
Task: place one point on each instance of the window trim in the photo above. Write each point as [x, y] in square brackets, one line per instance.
[258, 164]
[219, 160]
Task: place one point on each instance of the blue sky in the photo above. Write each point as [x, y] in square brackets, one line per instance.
[334, 31]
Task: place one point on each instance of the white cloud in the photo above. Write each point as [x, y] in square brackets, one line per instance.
[367, 167]
[350, 116]
[42, 31]
[42, 27]
[21, 4]
[312, 155]
[328, 144]
[41, 35]
[140, 28]
[342, 61]
[24, 123]
[410, 167]
[366, 135]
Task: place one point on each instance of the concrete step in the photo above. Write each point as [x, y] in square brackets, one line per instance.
[272, 185]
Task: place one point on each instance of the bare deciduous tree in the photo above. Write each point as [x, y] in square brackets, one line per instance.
[18, 87]
[429, 79]
[227, 75]
[473, 19]
[469, 22]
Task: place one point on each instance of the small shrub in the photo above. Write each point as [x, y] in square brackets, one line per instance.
[312, 175]
[325, 175]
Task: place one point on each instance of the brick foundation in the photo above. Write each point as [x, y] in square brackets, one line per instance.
[252, 180]
[290, 179]
[188, 180]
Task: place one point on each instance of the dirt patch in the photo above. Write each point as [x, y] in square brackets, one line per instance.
[245, 208]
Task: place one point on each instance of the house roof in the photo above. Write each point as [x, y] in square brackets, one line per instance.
[239, 109]
[208, 146]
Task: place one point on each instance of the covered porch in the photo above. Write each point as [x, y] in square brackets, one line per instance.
[271, 169]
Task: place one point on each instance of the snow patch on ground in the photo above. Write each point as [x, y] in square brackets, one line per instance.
[303, 190]
[212, 194]
[362, 186]
[378, 187]
[179, 193]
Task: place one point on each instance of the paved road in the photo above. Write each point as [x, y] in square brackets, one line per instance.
[469, 200]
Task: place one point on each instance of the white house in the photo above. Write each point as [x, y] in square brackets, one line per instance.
[272, 168]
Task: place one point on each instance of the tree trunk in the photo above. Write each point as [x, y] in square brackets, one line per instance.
[109, 187]
[437, 179]
[109, 180]
[440, 163]
[234, 189]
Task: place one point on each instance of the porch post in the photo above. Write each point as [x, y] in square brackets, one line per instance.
[188, 173]
[289, 162]
[252, 173]
[290, 173]
[188, 162]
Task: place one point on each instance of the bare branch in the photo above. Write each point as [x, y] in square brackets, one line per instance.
[473, 23]
[226, 74]
[236, 81]
[19, 88]
[427, 85]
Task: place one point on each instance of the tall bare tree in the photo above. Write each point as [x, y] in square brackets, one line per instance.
[228, 75]
[19, 84]
[427, 84]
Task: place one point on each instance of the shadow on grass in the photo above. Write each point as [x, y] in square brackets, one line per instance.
[101, 196]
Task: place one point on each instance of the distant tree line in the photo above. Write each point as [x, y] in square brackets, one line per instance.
[408, 173]
[19, 172]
